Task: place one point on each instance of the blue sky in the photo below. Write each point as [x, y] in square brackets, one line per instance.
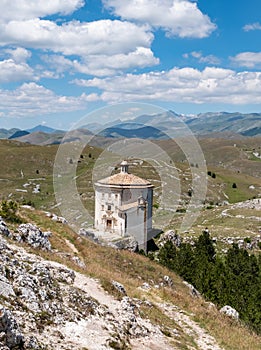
[61, 59]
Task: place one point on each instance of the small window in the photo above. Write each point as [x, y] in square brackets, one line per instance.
[116, 196]
[109, 207]
[102, 207]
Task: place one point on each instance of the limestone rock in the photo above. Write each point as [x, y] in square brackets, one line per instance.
[78, 262]
[57, 218]
[145, 286]
[128, 243]
[229, 311]
[193, 291]
[33, 236]
[119, 287]
[168, 281]
[62, 274]
[4, 229]
[9, 329]
[88, 234]
[170, 236]
[32, 343]
[5, 288]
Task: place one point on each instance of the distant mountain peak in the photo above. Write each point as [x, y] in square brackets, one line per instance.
[18, 133]
[44, 128]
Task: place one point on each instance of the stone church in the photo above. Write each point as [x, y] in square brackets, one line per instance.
[123, 206]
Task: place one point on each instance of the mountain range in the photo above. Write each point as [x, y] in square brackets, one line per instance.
[157, 126]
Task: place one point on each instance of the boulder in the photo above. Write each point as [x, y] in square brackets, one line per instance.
[229, 311]
[145, 286]
[32, 343]
[4, 229]
[119, 287]
[128, 243]
[168, 281]
[6, 289]
[193, 291]
[170, 236]
[88, 234]
[32, 235]
[10, 331]
[64, 275]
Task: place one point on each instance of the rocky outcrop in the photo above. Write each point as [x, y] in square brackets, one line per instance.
[35, 294]
[45, 305]
[4, 229]
[27, 233]
[249, 204]
[120, 288]
[171, 236]
[193, 291]
[6, 289]
[32, 235]
[57, 218]
[229, 311]
[88, 234]
[42, 301]
[128, 243]
[10, 334]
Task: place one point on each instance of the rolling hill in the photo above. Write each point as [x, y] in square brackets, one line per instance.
[223, 123]
[158, 126]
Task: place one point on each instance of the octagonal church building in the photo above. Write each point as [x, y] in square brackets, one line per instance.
[123, 206]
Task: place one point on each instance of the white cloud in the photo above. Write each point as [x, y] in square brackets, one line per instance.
[248, 59]
[88, 40]
[75, 38]
[252, 26]
[209, 59]
[196, 54]
[177, 17]
[211, 85]
[31, 99]
[11, 71]
[103, 65]
[28, 9]
[19, 54]
[103, 47]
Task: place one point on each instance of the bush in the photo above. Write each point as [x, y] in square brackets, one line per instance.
[9, 212]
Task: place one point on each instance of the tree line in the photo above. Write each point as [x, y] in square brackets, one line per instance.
[232, 279]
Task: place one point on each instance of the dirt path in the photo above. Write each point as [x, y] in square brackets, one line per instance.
[203, 340]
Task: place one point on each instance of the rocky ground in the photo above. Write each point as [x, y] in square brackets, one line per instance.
[45, 305]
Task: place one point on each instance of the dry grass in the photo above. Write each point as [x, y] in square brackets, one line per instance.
[132, 270]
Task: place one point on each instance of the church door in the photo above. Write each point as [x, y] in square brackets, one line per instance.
[109, 224]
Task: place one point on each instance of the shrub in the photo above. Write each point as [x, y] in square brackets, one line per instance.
[9, 212]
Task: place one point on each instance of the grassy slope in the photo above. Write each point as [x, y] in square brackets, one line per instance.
[132, 270]
[24, 166]
[21, 163]
[232, 161]
[16, 157]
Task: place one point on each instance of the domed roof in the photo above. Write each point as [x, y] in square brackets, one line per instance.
[124, 179]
